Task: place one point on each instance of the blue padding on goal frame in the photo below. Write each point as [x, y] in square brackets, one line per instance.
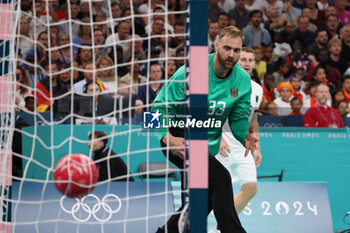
[4, 52]
[198, 220]
[199, 25]
[198, 110]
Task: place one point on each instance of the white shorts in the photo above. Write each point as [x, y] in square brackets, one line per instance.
[242, 169]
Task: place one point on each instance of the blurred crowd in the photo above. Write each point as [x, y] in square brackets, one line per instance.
[133, 46]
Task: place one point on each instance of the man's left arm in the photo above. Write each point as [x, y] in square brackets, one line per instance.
[257, 153]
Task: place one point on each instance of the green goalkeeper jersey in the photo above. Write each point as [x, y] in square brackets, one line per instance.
[227, 98]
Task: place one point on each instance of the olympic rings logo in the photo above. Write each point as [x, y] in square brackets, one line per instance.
[95, 208]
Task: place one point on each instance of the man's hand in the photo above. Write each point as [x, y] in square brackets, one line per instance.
[257, 158]
[172, 141]
[224, 148]
[250, 143]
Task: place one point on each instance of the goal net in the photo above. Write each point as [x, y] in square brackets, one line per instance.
[69, 71]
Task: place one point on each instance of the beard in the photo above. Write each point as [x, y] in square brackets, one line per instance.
[322, 101]
[227, 63]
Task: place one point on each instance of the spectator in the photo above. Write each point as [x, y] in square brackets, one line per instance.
[332, 26]
[133, 77]
[105, 67]
[135, 46]
[66, 77]
[278, 4]
[322, 5]
[343, 108]
[179, 39]
[296, 105]
[332, 74]
[93, 89]
[155, 35]
[269, 58]
[321, 41]
[84, 34]
[22, 86]
[40, 51]
[66, 54]
[307, 12]
[118, 55]
[226, 5]
[253, 5]
[337, 96]
[150, 6]
[282, 67]
[239, 15]
[84, 12]
[300, 58]
[223, 20]
[110, 166]
[283, 101]
[99, 43]
[101, 18]
[30, 104]
[295, 81]
[271, 108]
[148, 92]
[73, 27]
[121, 36]
[345, 36]
[137, 25]
[299, 4]
[98, 7]
[303, 34]
[335, 48]
[89, 75]
[260, 65]
[49, 87]
[213, 36]
[24, 40]
[322, 115]
[329, 11]
[36, 20]
[282, 48]
[268, 90]
[54, 32]
[159, 10]
[275, 21]
[116, 14]
[316, 16]
[33, 71]
[125, 4]
[254, 34]
[180, 57]
[84, 57]
[171, 68]
[343, 14]
[346, 87]
[214, 10]
[54, 56]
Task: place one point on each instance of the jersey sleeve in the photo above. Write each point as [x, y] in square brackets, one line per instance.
[239, 115]
[172, 91]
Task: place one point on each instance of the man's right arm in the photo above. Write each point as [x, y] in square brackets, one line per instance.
[172, 91]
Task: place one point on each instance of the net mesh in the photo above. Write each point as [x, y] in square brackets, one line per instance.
[71, 68]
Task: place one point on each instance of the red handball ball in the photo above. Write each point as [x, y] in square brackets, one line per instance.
[75, 175]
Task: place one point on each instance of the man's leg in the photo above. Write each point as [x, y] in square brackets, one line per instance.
[220, 195]
[172, 224]
[246, 193]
